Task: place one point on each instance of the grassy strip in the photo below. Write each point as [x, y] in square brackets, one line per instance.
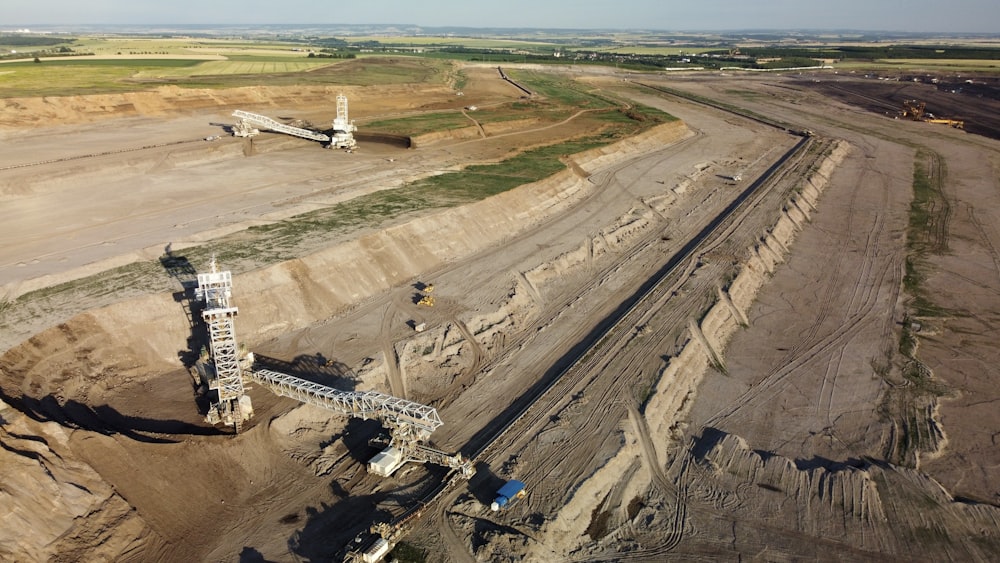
[909, 404]
[420, 124]
[927, 231]
[562, 98]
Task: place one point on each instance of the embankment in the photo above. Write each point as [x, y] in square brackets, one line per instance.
[78, 368]
[667, 407]
[142, 337]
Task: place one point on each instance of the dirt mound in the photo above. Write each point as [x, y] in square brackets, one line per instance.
[57, 506]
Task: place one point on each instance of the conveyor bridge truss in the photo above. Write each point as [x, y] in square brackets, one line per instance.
[250, 120]
[422, 419]
[409, 423]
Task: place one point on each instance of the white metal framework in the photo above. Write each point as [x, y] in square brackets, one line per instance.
[250, 120]
[343, 128]
[342, 136]
[409, 422]
[215, 289]
[360, 404]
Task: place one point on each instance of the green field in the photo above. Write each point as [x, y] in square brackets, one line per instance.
[953, 64]
[420, 124]
[67, 77]
[468, 42]
[222, 68]
[175, 46]
[649, 50]
[82, 76]
[915, 65]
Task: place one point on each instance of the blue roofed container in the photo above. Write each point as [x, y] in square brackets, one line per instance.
[509, 492]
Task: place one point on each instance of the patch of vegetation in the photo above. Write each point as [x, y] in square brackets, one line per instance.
[420, 124]
[929, 210]
[563, 91]
[77, 77]
[909, 403]
[599, 519]
[789, 62]
[99, 76]
[461, 80]
[633, 508]
[407, 553]
[26, 40]
[931, 535]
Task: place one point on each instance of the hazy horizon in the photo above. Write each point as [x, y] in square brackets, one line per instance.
[916, 16]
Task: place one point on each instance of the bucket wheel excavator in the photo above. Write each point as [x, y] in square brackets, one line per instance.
[225, 371]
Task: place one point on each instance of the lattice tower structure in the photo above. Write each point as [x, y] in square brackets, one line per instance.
[341, 122]
[215, 289]
[343, 128]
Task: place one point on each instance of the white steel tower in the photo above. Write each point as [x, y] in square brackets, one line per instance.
[233, 406]
[343, 129]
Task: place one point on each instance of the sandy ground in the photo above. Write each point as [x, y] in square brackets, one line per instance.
[739, 411]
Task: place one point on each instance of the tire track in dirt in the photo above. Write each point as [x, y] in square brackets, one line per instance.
[397, 387]
[825, 303]
[477, 350]
[808, 349]
[602, 378]
[863, 284]
[987, 240]
[776, 381]
[676, 532]
[454, 544]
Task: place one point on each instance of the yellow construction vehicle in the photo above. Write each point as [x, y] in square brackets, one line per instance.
[426, 301]
[917, 111]
[912, 109]
[957, 124]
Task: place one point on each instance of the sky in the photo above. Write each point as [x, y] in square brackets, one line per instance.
[967, 16]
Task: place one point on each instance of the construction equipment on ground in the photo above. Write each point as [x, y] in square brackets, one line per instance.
[956, 123]
[913, 109]
[917, 111]
[409, 423]
[343, 129]
[221, 370]
[251, 123]
[341, 137]
[510, 491]
[426, 301]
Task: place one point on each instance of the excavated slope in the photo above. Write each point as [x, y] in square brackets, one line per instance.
[63, 373]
